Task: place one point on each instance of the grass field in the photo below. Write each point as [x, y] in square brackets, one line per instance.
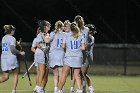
[102, 84]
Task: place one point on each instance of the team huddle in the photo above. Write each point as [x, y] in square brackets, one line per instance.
[69, 48]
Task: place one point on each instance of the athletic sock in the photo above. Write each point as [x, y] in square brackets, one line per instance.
[72, 88]
[35, 88]
[55, 89]
[13, 91]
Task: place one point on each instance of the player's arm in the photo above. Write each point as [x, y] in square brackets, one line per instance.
[91, 43]
[33, 49]
[63, 45]
[15, 51]
[82, 47]
[38, 46]
[83, 44]
[13, 47]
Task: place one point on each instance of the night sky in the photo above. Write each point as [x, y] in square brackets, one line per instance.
[117, 21]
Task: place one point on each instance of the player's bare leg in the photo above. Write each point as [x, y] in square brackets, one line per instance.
[45, 79]
[72, 84]
[65, 71]
[42, 71]
[78, 79]
[59, 74]
[37, 76]
[15, 79]
[4, 77]
[55, 78]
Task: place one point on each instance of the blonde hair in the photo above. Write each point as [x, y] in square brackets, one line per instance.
[75, 30]
[58, 25]
[8, 28]
[67, 23]
[80, 21]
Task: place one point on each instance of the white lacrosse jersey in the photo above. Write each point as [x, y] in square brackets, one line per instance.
[8, 60]
[7, 40]
[85, 32]
[73, 45]
[41, 42]
[57, 39]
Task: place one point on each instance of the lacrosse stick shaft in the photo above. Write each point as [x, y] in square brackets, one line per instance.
[28, 70]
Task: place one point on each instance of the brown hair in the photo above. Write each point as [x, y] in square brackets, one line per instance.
[80, 21]
[38, 30]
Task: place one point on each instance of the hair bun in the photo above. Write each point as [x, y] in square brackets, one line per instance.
[8, 28]
[5, 27]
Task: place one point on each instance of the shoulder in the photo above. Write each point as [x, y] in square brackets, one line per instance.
[38, 36]
[12, 38]
[63, 32]
[86, 28]
[35, 39]
[52, 32]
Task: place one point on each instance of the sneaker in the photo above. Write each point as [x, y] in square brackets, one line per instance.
[79, 91]
[13, 91]
[71, 91]
[91, 91]
[60, 91]
[40, 90]
[35, 89]
[55, 89]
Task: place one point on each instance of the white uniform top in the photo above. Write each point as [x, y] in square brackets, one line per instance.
[73, 45]
[7, 40]
[56, 53]
[8, 60]
[85, 32]
[57, 40]
[40, 56]
[68, 33]
[41, 42]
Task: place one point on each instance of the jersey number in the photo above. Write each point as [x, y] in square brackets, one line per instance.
[74, 44]
[4, 47]
[59, 41]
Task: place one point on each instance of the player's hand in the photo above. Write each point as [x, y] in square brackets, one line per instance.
[22, 53]
[42, 35]
[18, 42]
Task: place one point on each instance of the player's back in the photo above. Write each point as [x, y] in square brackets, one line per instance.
[57, 40]
[7, 40]
[85, 32]
[73, 46]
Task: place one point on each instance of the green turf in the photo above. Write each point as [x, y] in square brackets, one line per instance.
[102, 84]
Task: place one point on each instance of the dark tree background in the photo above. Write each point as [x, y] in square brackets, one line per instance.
[117, 21]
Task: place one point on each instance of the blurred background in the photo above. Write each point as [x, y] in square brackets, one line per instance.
[117, 43]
